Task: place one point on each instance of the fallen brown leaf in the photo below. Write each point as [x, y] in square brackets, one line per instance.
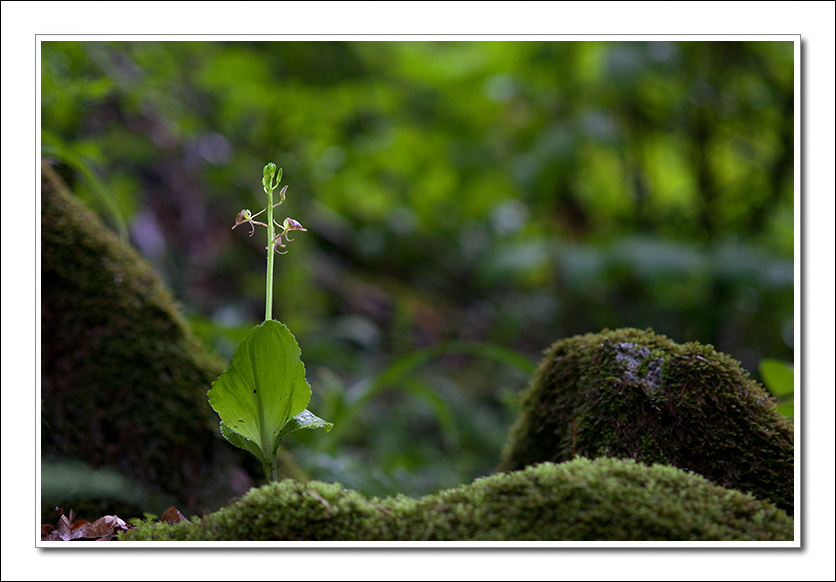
[45, 529]
[104, 528]
[171, 515]
[78, 523]
[64, 530]
[67, 529]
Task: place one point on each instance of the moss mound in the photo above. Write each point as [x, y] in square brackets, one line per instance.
[124, 380]
[581, 500]
[635, 394]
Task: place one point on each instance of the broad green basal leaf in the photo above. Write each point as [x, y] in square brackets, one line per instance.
[263, 388]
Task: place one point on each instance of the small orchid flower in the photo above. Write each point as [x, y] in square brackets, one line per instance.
[247, 216]
[277, 242]
[288, 225]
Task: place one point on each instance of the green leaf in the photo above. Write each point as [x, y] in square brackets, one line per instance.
[778, 376]
[263, 388]
[241, 442]
[305, 419]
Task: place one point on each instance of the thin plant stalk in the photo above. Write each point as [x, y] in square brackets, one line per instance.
[268, 304]
[271, 470]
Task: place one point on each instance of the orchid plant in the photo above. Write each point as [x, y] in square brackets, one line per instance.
[263, 395]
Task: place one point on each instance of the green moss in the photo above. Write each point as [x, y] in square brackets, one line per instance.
[581, 500]
[635, 394]
[124, 380]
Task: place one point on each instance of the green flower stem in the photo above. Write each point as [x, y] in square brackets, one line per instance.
[269, 467]
[271, 470]
[271, 231]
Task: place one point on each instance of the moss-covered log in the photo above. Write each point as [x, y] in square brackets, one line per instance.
[581, 500]
[635, 394]
[124, 380]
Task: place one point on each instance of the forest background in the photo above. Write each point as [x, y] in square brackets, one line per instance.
[505, 193]
[813, 20]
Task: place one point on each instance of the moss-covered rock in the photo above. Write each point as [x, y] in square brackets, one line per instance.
[124, 380]
[582, 500]
[635, 394]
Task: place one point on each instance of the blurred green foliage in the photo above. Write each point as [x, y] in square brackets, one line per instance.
[92, 492]
[779, 379]
[509, 193]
